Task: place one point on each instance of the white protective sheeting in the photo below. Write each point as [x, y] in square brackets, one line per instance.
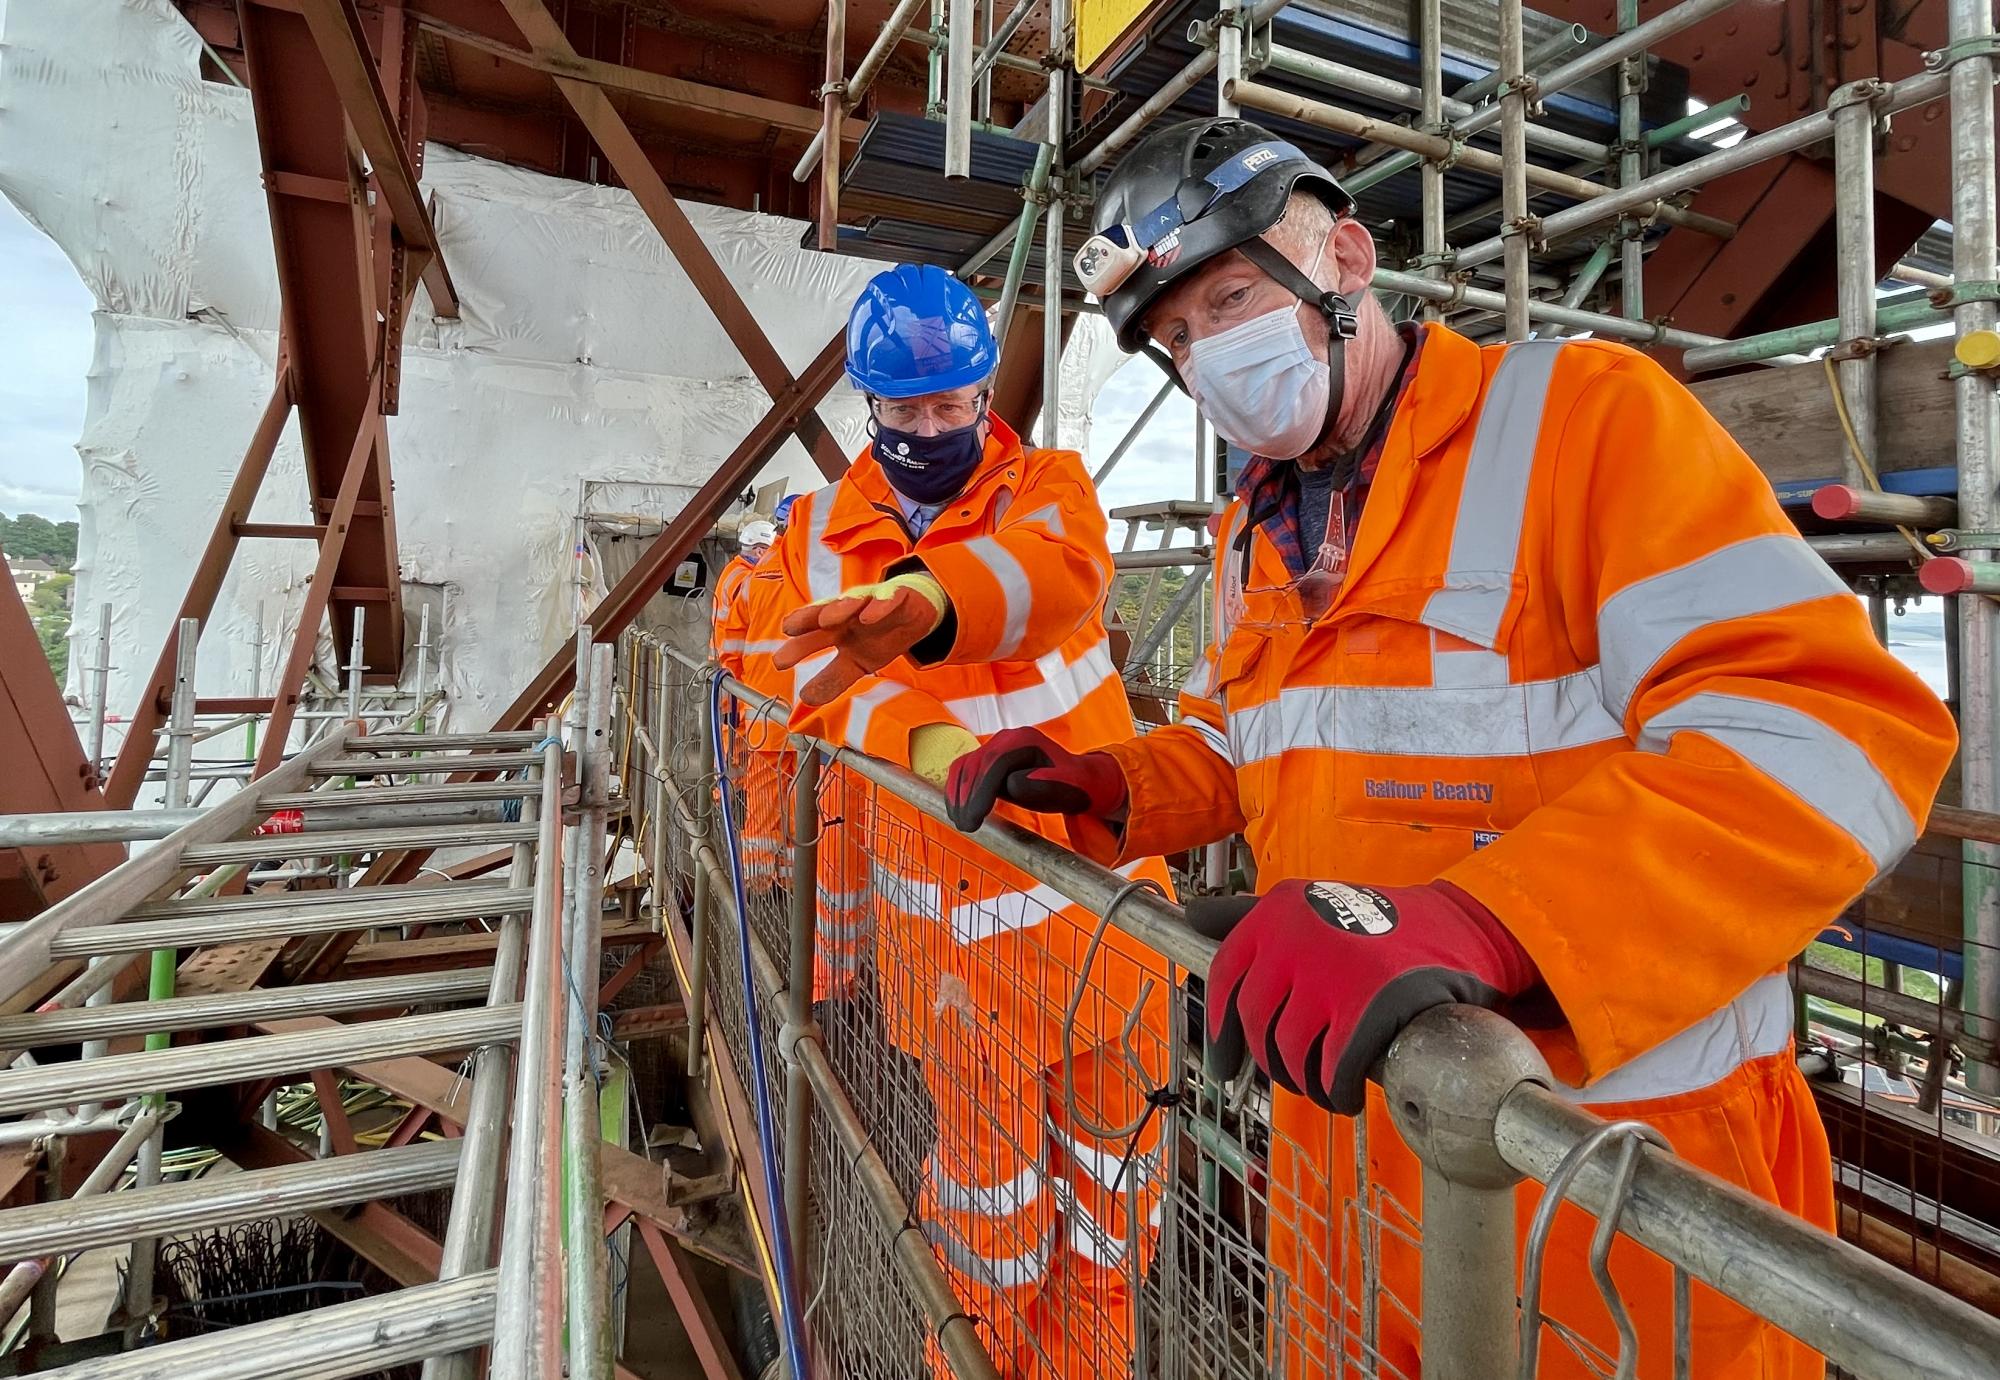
[582, 352]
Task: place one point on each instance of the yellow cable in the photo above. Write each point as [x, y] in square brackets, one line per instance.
[766, 1263]
[1860, 457]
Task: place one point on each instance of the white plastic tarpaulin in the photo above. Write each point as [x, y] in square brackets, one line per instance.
[582, 353]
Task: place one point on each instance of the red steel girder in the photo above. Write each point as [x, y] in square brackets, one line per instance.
[710, 1344]
[320, 229]
[1788, 58]
[42, 768]
[343, 44]
[612, 614]
[367, 457]
[608, 128]
[389, 1241]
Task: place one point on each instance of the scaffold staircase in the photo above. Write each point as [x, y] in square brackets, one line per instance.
[220, 887]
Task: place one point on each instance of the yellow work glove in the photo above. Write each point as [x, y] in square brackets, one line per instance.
[934, 747]
[868, 627]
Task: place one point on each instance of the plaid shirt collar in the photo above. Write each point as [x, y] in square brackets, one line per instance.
[1270, 488]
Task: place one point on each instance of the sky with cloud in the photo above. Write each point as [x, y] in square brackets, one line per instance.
[45, 346]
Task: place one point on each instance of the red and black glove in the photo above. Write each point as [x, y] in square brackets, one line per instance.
[1315, 979]
[1026, 767]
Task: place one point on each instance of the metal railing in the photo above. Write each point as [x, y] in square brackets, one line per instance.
[1199, 1236]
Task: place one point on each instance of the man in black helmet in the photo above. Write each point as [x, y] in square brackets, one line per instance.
[1516, 644]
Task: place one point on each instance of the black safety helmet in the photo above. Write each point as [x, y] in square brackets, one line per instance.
[1191, 191]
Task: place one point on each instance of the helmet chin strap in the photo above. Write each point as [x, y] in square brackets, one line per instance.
[1342, 323]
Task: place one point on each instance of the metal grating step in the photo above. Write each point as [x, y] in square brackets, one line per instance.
[258, 1056]
[191, 931]
[439, 742]
[36, 1029]
[437, 793]
[358, 1338]
[406, 766]
[223, 1200]
[283, 846]
[282, 900]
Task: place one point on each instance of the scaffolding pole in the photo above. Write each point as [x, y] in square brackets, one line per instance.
[1516, 227]
[1968, 68]
[1631, 167]
[584, 1251]
[1432, 251]
[1854, 272]
[1052, 233]
[1758, 148]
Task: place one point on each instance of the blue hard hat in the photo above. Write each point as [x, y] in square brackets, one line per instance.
[917, 330]
[783, 511]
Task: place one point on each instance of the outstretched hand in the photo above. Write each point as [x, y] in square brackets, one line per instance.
[867, 627]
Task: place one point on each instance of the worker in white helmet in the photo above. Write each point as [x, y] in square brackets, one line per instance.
[732, 588]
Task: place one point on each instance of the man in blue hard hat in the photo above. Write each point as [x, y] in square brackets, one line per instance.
[949, 587]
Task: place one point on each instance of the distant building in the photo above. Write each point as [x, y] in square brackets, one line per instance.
[30, 574]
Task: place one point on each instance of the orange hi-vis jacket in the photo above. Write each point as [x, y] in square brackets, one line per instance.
[1029, 1203]
[732, 614]
[1022, 556]
[1582, 667]
[750, 638]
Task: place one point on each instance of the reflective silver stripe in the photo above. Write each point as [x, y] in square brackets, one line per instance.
[1050, 516]
[985, 1200]
[861, 710]
[1754, 1026]
[1015, 910]
[845, 931]
[1064, 686]
[730, 644]
[1005, 1273]
[1104, 1166]
[1017, 596]
[807, 669]
[1086, 1237]
[974, 921]
[1423, 721]
[907, 894]
[1486, 532]
[1466, 670]
[1645, 620]
[843, 900]
[763, 648]
[1217, 740]
[1814, 762]
[822, 563]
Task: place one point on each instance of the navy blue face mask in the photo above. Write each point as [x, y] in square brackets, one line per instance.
[929, 469]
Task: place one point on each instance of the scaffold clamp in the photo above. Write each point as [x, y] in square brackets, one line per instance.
[1977, 46]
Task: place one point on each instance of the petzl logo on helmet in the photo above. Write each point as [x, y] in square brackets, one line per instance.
[1356, 909]
[1258, 159]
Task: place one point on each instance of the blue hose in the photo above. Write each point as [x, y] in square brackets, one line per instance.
[767, 1135]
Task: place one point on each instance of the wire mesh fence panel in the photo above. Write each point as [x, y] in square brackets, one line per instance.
[861, 1314]
[1896, 1044]
[1029, 1073]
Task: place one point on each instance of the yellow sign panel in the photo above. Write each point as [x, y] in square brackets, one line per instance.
[1101, 23]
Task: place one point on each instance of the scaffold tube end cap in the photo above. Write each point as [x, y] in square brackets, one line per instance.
[1946, 575]
[1978, 350]
[1835, 502]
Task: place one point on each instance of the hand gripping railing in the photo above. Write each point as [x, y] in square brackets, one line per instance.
[1471, 1097]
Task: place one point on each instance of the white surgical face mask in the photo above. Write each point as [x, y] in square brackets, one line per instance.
[1259, 383]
